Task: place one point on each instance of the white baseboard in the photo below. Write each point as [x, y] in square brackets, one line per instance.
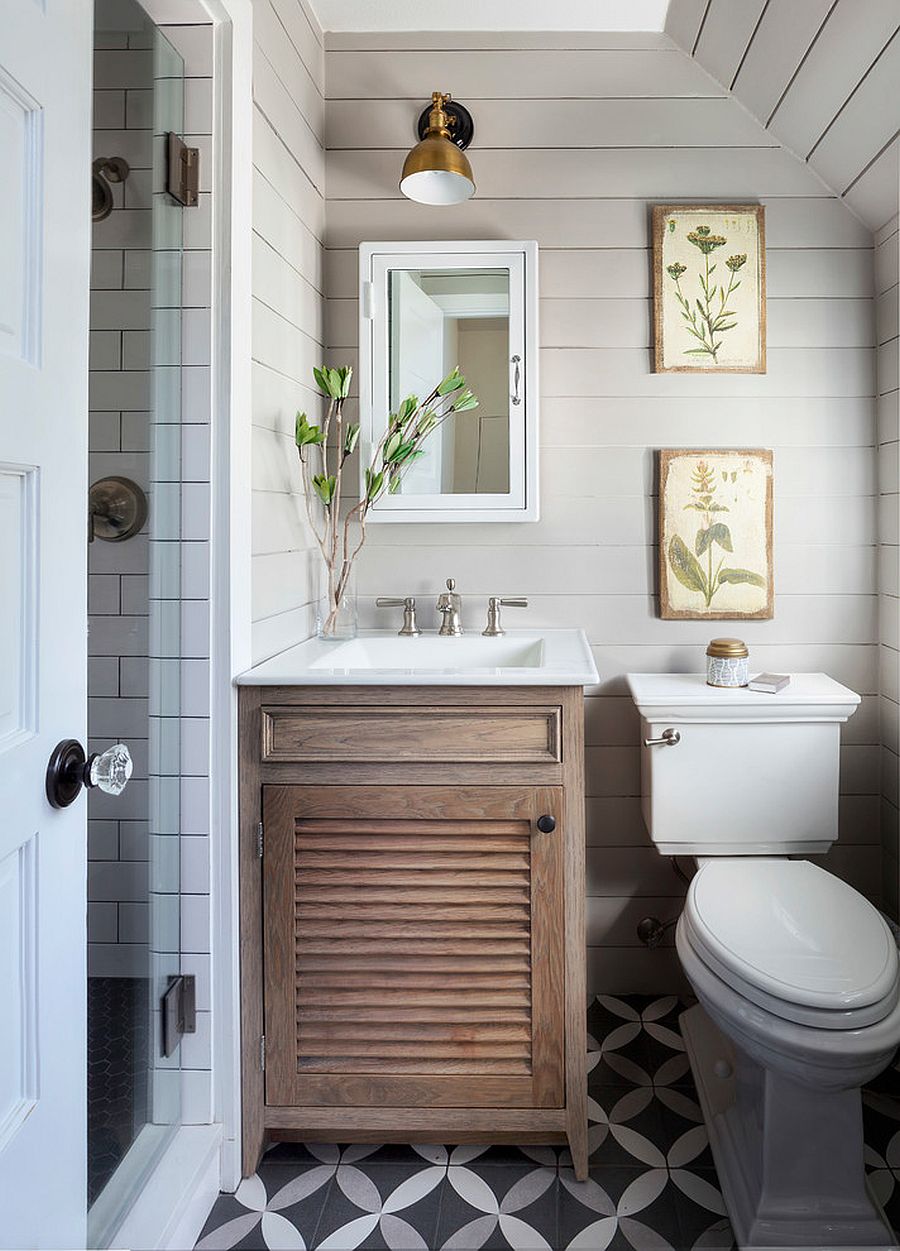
[179, 1195]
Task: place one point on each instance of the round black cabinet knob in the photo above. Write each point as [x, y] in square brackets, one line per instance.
[546, 824]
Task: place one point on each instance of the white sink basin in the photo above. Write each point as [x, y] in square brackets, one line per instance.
[381, 658]
[428, 651]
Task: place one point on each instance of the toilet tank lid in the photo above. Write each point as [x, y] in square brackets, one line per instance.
[808, 696]
[794, 930]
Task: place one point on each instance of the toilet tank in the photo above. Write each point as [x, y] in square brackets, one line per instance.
[750, 774]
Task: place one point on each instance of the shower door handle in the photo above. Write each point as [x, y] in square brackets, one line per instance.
[69, 769]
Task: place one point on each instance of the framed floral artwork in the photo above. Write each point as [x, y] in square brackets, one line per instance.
[715, 535]
[709, 288]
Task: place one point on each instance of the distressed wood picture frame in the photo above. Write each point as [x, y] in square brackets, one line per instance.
[709, 288]
[715, 535]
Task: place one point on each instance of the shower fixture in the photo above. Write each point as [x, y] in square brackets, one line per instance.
[106, 169]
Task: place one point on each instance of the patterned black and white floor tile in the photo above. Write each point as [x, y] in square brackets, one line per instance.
[652, 1184]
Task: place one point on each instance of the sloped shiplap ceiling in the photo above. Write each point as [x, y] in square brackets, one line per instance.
[823, 77]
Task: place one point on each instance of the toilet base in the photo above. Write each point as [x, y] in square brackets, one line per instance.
[789, 1157]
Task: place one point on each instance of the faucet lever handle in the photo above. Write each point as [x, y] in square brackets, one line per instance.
[409, 629]
[494, 629]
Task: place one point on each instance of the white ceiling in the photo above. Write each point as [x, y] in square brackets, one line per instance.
[496, 15]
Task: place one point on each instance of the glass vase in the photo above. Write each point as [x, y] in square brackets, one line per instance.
[337, 615]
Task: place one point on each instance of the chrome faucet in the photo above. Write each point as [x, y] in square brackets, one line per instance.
[448, 605]
[493, 629]
[409, 629]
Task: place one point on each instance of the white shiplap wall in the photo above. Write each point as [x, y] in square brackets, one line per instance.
[821, 75]
[576, 135]
[887, 274]
[287, 336]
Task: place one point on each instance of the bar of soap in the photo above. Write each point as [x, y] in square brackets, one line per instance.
[771, 683]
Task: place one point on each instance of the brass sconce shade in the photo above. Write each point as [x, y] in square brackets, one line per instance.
[436, 171]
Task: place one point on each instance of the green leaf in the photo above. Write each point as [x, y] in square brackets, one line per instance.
[351, 438]
[718, 533]
[391, 446]
[466, 401]
[374, 483]
[335, 383]
[394, 483]
[406, 409]
[304, 433]
[324, 488]
[425, 425]
[735, 576]
[685, 566]
[452, 382]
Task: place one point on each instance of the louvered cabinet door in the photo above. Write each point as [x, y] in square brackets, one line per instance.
[413, 946]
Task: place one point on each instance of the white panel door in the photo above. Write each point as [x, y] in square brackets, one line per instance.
[45, 82]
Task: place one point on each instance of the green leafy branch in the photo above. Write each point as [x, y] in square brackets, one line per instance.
[325, 449]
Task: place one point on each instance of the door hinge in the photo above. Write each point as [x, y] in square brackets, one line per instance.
[260, 839]
[262, 1053]
[179, 1011]
[183, 171]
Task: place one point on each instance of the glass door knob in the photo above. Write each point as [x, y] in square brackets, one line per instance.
[69, 769]
[110, 770]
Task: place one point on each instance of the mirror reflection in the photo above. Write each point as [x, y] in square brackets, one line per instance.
[441, 318]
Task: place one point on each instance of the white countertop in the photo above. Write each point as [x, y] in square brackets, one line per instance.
[553, 658]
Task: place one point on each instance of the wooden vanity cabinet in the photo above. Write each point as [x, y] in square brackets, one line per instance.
[412, 932]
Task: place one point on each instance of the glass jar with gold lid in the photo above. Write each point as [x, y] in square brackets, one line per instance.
[727, 662]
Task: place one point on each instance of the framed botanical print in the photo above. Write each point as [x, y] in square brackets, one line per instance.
[709, 288]
[715, 535]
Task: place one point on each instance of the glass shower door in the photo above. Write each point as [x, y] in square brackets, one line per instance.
[134, 1087]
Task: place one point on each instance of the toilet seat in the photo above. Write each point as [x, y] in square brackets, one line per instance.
[793, 939]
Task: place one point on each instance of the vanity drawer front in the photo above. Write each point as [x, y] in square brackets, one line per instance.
[428, 735]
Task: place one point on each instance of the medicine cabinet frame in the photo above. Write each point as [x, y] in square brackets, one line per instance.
[376, 262]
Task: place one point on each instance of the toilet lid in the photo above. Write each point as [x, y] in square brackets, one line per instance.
[794, 931]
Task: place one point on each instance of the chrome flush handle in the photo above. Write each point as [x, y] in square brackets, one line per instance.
[670, 738]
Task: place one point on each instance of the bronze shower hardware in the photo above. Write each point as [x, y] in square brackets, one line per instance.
[117, 509]
[105, 169]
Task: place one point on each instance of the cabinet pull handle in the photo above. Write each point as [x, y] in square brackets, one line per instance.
[546, 824]
[517, 378]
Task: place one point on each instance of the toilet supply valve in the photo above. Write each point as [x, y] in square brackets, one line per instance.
[651, 931]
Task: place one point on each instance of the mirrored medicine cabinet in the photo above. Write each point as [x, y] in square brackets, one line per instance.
[426, 308]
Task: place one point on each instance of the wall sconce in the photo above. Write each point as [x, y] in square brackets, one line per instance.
[436, 171]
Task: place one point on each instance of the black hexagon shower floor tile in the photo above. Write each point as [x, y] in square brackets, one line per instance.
[652, 1184]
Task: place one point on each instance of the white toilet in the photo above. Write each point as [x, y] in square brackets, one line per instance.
[796, 973]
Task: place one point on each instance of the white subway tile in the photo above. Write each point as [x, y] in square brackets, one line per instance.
[195, 865]
[195, 923]
[195, 806]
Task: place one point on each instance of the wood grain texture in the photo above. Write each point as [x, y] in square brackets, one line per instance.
[379, 735]
[252, 1027]
[422, 945]
[515, 917]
